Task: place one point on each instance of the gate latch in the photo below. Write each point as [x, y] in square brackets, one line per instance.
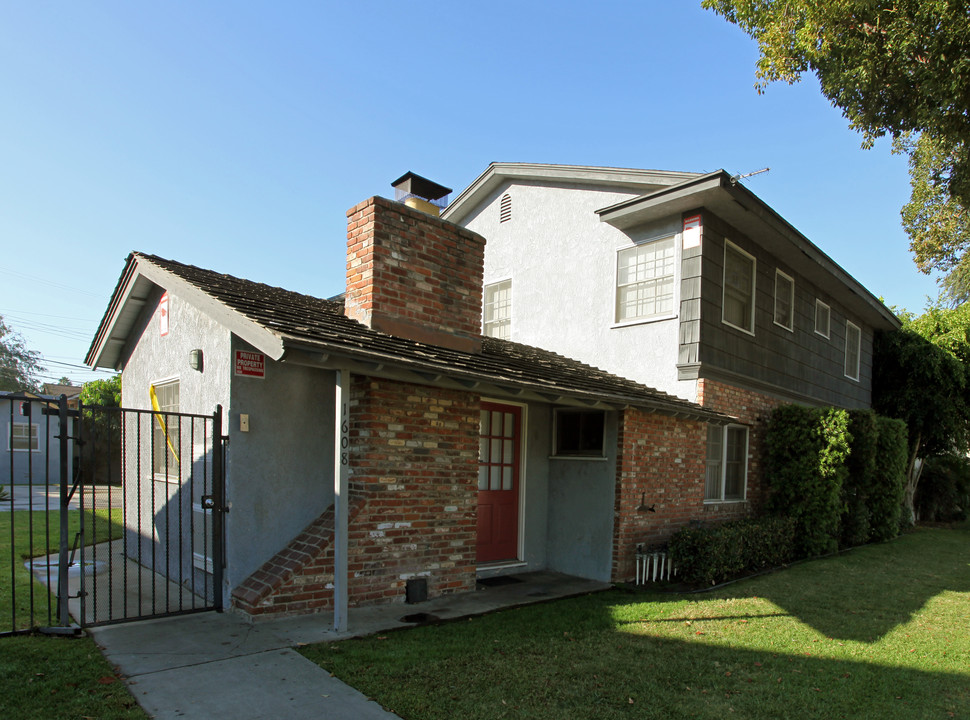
[208, 502]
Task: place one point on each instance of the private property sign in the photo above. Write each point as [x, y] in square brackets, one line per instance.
[250, 364]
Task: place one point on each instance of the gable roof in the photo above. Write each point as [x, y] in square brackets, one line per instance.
[306, 330]
[662, 193]
[619, 179]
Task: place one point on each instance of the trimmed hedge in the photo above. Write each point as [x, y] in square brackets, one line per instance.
[709, 555]
[860, 480]
[806, 466]
[885, 501]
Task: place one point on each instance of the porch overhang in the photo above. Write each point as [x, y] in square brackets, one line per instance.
[392, 368]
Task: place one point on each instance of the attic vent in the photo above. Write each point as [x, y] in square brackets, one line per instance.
[505, 208]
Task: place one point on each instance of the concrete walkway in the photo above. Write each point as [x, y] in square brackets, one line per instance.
[211, 665]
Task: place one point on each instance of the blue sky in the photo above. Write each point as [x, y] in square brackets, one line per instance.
[235, 135]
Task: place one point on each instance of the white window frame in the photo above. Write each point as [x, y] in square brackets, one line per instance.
[828, 319]
[556, 415]
[730, 246]
[32, 436]
[172, 477]
[790, 327]
[722, 464]
[504, 321]
[858, 350]
[619, 321]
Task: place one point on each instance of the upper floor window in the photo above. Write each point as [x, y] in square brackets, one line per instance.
[727, 463]
[505, 208]
[823, 318]
[498, 310]
[784, 300]
[23, 437]
[853, 350]
[645, 280]
[166, 435]
[739, 274]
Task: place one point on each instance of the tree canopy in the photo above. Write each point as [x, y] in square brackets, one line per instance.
[18, 365]
[921, 374]
[894, 67]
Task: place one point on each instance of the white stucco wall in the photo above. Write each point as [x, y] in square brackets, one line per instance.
[279, 472]
[562, 262]
[156, 359]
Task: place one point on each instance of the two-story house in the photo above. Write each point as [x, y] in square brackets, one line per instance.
[685, 282]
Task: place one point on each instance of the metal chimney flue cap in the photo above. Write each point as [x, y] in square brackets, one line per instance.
[412, 185]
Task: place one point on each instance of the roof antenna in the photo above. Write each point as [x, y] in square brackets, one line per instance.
[739, 176]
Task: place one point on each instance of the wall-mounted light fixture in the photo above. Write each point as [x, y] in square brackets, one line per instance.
[195, 360]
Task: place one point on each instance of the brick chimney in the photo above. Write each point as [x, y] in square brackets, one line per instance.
[414, 276]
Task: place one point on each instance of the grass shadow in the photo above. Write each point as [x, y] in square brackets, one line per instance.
[864, 594]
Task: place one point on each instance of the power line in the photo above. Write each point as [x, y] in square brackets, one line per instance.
[45, 281]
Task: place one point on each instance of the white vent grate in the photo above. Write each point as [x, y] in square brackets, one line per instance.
[505, 208]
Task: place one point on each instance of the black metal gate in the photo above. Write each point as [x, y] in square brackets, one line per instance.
[111, 515]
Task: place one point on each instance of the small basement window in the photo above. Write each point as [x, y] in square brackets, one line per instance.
[579, 433]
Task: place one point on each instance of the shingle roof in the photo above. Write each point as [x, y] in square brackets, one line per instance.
[303, 322]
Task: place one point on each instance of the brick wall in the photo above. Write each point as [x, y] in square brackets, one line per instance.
[661, 463]
[413, 275]
[414, 490]
[753, 409]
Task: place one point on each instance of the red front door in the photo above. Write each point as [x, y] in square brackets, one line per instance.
[498, 482]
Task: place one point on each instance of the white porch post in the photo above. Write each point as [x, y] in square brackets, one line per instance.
[341, 474]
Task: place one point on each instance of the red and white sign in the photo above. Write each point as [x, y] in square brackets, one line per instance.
[250, 364]
[692, 232]
[163, 315]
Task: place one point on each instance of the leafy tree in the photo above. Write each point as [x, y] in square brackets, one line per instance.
[106, 393]
[101, 452]
[920, 375]
[18, 365]
[894, 67]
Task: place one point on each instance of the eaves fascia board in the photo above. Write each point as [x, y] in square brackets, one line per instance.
[740, 207]
[497, 173]
[683, 196]
[121, 296]
[252, 332]
[113, 331]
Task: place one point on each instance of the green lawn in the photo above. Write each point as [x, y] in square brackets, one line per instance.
[51, 677]
[15, 607]
[880, 632]
[44, 678]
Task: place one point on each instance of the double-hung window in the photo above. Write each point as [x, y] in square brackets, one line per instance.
[739, 280]
[784, 300]
[853, 350]
[645, 280]
[727, 463]
[498, 310]
[166, 435]
[823, 318]
[24, 437]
